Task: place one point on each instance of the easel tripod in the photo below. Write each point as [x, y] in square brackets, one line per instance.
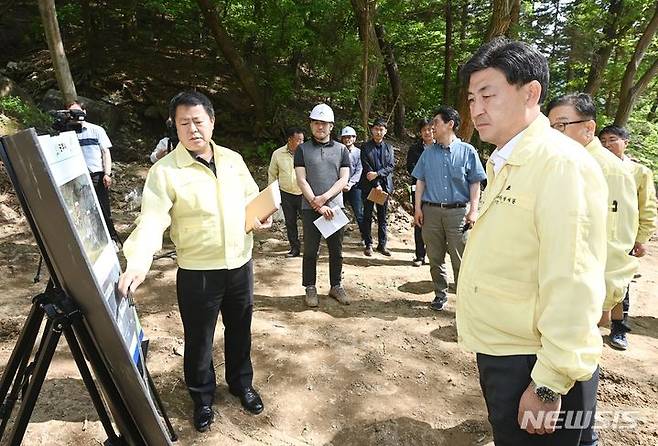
[63, 316]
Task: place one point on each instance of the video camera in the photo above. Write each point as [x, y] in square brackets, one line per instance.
[67, 120]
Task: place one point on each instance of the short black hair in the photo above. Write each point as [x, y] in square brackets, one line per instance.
[422, 122]
[449, 114]
[519, 62]
[617, 130]
[190, 99]
[292, 131]
[381, 122]
[581, 102]
[82, 105]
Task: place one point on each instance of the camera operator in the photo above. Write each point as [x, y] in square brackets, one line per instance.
[166, 144]
[95, 146]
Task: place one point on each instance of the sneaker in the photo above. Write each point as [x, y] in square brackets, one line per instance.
[384, 251]
[338, 293]
[368, 251]
[417, 262]
[438, 303]
[617, 338]
[311, 297]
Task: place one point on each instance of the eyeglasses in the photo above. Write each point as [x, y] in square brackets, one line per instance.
[562, 126]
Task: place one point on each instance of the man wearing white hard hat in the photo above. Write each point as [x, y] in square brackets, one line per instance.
[352, 192]
[323, 168]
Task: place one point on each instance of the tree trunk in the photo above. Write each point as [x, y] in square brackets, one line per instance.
[505, 14]
[447, 55]
[394, 79]
[651, 116]
[602, 55]
[56, 47]
[629, 92]
[371, 60]
[233, 57]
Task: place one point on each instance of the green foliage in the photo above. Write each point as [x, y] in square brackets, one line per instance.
[261, 152]
[644, 142]
[28, 115]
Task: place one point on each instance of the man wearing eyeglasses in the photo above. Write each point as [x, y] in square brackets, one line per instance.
[575, 116]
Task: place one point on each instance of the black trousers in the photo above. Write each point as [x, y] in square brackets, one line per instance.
[590, 390]
[312, 237]
[292, 210]
[201, 297]
[418, 235]
[503, 380]
[104, 200]
[367, 221]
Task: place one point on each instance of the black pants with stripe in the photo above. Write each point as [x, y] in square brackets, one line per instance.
[202, 295]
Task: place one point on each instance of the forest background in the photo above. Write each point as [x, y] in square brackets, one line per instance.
[265, 63]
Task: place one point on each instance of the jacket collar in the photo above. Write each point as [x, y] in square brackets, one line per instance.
[184, 158]
[524, 148]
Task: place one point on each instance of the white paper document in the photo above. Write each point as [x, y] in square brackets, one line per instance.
[328, 227]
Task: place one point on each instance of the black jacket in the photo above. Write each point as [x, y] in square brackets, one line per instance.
[413, 155]
[384, 174]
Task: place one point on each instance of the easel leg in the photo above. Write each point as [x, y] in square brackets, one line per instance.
[17, 365]
[53, 331]
[90, 385]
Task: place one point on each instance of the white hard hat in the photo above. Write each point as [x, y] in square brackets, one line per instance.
[348, 131]
[322, 112]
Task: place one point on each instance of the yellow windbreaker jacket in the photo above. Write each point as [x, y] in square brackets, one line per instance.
[206, 213]
[532, 275]
[622, 223]
[646, 196]
[282, 168]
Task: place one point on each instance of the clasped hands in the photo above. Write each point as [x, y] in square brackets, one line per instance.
[318, 205]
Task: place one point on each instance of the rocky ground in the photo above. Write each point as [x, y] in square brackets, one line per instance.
[385, 370]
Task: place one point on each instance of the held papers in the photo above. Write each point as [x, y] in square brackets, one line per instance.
[328, 227]
[266, 203]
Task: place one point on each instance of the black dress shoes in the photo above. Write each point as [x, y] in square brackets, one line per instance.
[203, 418]
[293, 253]
[250, 399]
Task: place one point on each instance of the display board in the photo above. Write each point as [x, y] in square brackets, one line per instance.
[60, 196]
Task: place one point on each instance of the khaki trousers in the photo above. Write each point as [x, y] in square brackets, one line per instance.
[442, 232]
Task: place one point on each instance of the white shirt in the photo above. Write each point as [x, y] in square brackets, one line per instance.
[93, 140]
[162, 146]
[500, 156]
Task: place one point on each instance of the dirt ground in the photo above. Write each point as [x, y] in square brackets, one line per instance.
[383, 371]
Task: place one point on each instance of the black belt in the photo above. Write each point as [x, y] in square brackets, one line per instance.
[445, 205]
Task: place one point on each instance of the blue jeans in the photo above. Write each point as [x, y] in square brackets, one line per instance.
[355, 200]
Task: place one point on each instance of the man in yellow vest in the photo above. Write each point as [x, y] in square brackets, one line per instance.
[615, 139]
[200, 190]
[531, 283]
[575, 116]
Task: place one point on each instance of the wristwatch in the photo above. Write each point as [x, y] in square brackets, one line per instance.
[545, 394]
[109, 174]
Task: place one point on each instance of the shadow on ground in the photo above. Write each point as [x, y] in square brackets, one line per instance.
[407, 431]
[359, 308]
[644, 326]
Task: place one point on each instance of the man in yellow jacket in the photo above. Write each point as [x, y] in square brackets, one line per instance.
[200, 189]
[575, 116]
[282, 169]
[615, 139]
[531, 284]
